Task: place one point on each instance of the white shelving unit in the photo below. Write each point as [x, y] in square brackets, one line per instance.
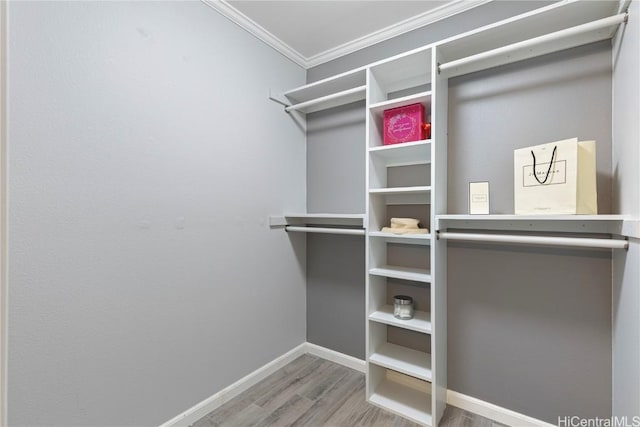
[394, 369]
[404, 379]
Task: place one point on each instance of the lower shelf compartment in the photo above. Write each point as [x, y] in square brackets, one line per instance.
[404, 360]
[403, 400]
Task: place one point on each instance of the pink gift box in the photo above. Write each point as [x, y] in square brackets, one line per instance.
[404, 124]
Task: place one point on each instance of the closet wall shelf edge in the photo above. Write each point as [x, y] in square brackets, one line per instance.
[331, 219]
[607, 224]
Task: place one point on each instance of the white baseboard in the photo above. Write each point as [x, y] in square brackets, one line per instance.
[491, 411]
[471, 404]
[201, 409]
[334, 356]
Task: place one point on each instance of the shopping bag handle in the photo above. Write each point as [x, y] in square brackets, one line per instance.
[553, 155]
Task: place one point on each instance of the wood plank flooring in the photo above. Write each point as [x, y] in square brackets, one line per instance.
[314, 392]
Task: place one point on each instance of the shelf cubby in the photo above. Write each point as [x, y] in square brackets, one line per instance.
[405, 71]
[421, 321]
[401, 395]
[414, 195]
[404, 360]
[404, 154]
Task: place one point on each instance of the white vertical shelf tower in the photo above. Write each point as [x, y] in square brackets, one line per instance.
[407, 377]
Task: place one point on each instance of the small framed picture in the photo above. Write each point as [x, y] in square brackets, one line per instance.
[479, 198]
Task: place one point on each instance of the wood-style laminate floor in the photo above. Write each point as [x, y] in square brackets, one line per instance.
[314, 392]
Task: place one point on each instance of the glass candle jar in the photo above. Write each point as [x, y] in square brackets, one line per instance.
[402, 307]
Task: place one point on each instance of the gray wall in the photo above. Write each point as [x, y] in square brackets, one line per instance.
[335, 293]
[543, 349]
[144, 160]
[335, 264]
[626, 199]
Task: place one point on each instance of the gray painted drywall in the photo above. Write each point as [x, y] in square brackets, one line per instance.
[626, 200]
[336, 160]
[335, 264]
[530, 329]
[144, 160]
[335, 293]
[555, 337]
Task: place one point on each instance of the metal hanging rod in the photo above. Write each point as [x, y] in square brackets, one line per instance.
[525, 44]
[325, 230]
[344, 93]
[581, 242]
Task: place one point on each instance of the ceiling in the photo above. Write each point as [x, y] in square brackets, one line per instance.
[311, 32]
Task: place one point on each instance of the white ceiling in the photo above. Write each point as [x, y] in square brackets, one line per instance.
[311, 32]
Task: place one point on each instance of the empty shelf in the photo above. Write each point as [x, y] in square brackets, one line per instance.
[330, 101]
[404, 360]
[406, 153]
[403, 273]
[403, 400]
[325, 230]
[421, 321]
[420, 189]
[408, 239]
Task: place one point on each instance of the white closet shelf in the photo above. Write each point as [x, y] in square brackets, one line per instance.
[423, 98]
[316, 219]
[407, 153]
[403, 400]
[420, 189]
[403, 273]
[325, 230]
[328, 86]
[330, 101]
[408, 239]
[421, 321]
[416, 195]
[608, 224]
[404, 360]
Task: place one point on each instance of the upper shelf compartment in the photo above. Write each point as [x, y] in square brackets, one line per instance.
[560, 26]
[328, 93]
[392, 77]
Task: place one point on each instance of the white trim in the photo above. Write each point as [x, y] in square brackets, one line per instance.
[334, 356]
[233, 14]
[437, 14]
[491, 411]
[201, 409]
[471, 404]
[429, 17]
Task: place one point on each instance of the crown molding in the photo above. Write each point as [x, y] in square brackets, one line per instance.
[410, 24]
[442, 12]
[234, 15]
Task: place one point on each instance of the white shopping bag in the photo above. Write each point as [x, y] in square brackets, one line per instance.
[556, 178]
